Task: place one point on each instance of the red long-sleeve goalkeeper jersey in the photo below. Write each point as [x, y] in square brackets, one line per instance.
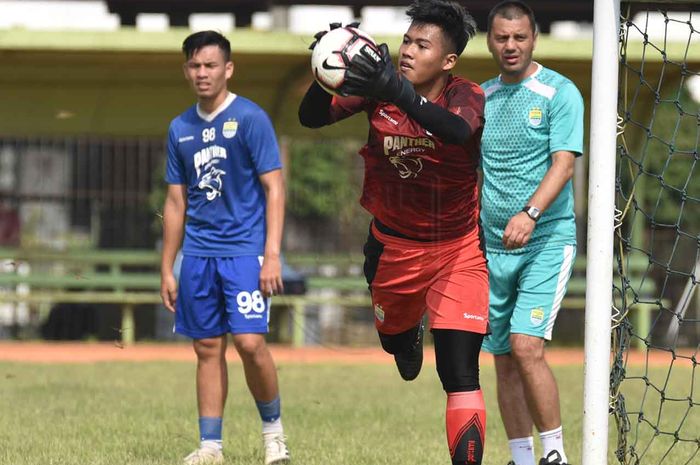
[414, 182]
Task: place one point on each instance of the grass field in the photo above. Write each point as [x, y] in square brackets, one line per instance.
[144, 413]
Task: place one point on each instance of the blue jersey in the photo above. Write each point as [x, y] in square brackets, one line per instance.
[525, 124]
[219, 158]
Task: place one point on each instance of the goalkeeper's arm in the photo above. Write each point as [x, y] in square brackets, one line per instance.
[438, 120]
[314, 110]
[373, 75]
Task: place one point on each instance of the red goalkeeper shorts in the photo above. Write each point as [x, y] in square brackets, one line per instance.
[449, 279]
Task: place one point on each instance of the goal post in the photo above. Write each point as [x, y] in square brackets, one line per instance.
[601, 210]
[642, 330]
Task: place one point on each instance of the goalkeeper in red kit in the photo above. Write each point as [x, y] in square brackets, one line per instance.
[424, 252]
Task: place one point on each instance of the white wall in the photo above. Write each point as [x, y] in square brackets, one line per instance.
[677, 30]
[38, 14]
[303, 19]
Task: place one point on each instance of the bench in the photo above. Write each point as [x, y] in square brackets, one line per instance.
[126, 278]
[84, 276]
[132, 277]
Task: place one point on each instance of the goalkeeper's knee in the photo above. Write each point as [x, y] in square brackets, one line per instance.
[397, 343]
[457, 359]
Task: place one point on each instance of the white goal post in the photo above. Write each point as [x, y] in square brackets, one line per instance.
[601, 210]
[644, 147]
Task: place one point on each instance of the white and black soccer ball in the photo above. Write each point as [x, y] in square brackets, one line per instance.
[332, 54]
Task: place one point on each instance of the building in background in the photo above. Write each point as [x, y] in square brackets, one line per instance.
[88, 87]
[299, 16]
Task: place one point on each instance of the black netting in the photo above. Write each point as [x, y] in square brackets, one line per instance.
[655, 380]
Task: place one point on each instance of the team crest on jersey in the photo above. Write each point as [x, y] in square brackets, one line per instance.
[230, 129]
[535, 116]
[537, 316]
[379, 313]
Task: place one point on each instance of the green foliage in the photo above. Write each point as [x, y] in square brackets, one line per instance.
[676, 125]
[322, 180]
[156, 199]
[669, 185]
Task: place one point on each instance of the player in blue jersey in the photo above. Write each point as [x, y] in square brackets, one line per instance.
[533, 133]
[226, 194]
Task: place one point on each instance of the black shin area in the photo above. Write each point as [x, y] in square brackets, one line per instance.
[457, 359]
[397, 343]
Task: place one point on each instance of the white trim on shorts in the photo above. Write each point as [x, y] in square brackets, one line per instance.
[268, 301]
[562, 281]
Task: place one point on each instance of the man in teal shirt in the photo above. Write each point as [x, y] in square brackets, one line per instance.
[533, 133]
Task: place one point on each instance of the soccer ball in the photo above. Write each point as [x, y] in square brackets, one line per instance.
[332, 54]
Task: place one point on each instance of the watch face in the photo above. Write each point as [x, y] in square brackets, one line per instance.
[532, 212]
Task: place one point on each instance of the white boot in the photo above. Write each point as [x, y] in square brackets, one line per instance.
[276, 451]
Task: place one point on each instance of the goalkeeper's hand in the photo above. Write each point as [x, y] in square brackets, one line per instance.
[331, 26]
[373, 76]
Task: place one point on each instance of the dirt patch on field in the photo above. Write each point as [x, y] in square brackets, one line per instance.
[100, 352]
[42, 352]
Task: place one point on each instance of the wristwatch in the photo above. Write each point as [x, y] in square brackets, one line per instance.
[533, 212]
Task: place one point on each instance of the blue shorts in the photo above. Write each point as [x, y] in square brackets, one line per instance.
[526, 291]
[220, 295]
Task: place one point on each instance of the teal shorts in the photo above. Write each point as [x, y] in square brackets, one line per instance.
[526, 291]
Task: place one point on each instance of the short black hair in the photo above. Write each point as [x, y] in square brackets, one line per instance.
[512, 9]
[203, 39]
[457, 24]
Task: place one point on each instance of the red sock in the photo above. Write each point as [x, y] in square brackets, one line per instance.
[466, 427]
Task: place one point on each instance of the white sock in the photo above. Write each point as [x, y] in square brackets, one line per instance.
[522, 450]
[553, 440]
[272, 427]
[211, 444]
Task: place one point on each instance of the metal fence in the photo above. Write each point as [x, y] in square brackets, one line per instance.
[78, 190]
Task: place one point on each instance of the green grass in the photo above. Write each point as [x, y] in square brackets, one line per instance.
[663, 410]
[144, 413]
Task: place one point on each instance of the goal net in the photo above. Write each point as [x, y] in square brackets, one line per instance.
[655, 378]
